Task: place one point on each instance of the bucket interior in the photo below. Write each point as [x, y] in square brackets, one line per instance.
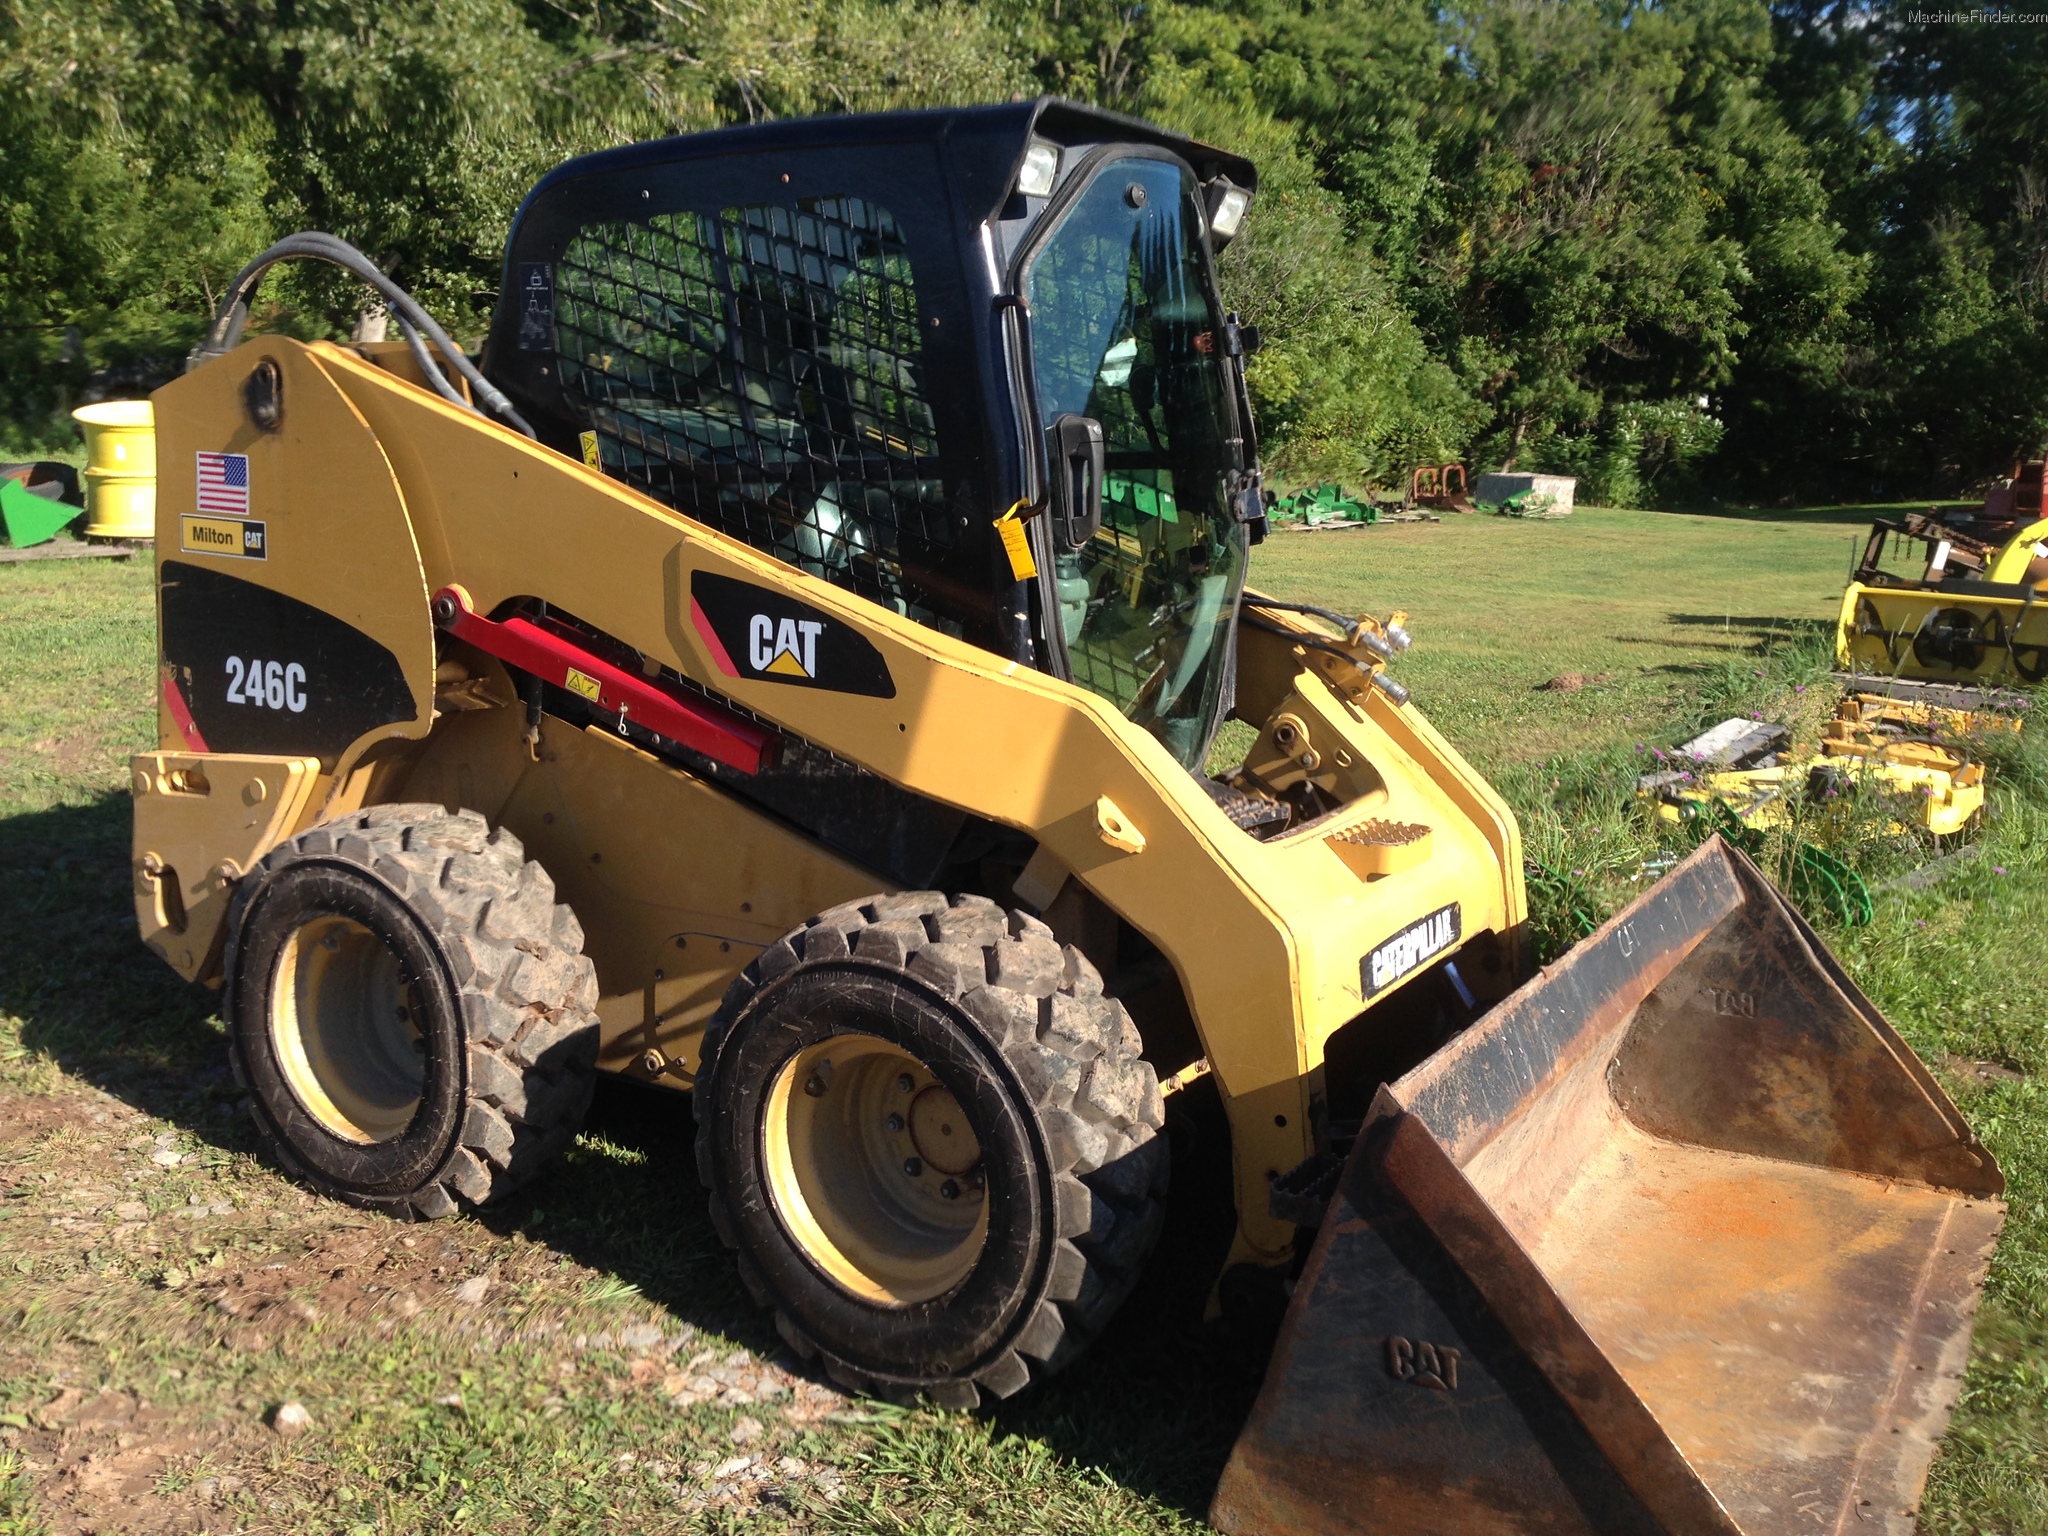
[1757, 1205]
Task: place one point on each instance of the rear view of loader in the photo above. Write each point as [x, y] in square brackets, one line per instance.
[785, 671]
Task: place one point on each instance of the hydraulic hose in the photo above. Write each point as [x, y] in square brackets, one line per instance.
[414, 323]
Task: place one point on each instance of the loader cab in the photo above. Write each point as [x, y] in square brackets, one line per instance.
[857, 343]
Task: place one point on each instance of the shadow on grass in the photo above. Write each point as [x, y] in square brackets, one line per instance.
[1765, 629]
[1157, 1402]
[1154, 1405]
[1748, 635]
[72, 970]
[1857, 516]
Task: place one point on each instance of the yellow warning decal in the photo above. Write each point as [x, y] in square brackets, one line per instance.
[591, 456]
[1017, 541]
[584, 684]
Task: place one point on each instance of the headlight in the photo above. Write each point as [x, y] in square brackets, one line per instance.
[1227, 205]
[1041, 164]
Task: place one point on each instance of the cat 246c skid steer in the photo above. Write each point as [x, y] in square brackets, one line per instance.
[786, 669]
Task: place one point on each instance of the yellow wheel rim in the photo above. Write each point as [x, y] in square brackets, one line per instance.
[875, 1170]
[345, 1028]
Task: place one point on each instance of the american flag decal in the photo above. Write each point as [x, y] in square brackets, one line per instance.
[224, 483]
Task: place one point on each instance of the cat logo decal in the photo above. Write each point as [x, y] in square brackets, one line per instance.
[787, 649]
[762, 635]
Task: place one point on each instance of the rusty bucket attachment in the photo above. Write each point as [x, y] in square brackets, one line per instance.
[1682, 1237]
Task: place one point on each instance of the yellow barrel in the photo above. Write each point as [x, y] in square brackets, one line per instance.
[120, 471]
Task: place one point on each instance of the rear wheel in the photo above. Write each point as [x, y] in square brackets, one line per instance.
[933, 1142]
[409, 1009]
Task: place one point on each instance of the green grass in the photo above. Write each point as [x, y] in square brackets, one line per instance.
[77, 647]
[107, 1060]
[1653, 602]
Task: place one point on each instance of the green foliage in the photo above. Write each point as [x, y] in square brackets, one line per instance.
[1685, 249]
[16, 1518]
[152, 150]
[1644, 453]
[112, 243]
[1344, 387]
[1543, 237]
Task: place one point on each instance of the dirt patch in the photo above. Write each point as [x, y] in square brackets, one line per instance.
[27, 1118]
[221, 1285]
[76, 754]
[1572, 682]
[110, 1462]
[1973, 1076]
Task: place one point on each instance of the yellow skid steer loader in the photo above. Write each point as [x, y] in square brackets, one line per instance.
[786, 669]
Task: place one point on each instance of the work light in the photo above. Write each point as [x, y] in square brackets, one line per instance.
[1041, 164]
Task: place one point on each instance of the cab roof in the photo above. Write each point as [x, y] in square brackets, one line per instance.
[983, 146]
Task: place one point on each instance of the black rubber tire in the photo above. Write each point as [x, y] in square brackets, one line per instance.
[505, 1004]
[1049, 1072]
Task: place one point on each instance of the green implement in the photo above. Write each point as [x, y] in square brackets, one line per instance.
[1326, 503]
[31, 519]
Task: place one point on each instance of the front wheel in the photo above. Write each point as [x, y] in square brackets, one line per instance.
[934, 1144]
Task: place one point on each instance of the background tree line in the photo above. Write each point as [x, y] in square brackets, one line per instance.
[1688, 248]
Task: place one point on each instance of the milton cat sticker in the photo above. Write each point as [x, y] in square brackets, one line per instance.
[761, 635]
[237, 538]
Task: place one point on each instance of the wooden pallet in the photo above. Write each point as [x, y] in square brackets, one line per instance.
[2005, 701]
[69, 549]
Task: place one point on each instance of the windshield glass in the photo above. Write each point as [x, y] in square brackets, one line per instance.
[1124, 331]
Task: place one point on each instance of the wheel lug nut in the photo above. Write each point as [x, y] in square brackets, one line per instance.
[913, 1166]
[904, 1082]
[950, 1190]
[814, 1085]
[894, 1123]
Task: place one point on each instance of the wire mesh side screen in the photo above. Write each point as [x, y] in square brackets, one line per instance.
[760, 369]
